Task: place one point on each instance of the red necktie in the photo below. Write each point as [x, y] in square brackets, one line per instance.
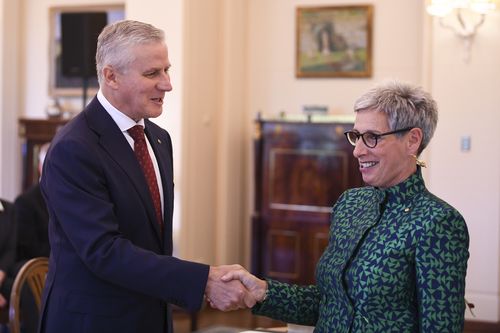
[142, 154]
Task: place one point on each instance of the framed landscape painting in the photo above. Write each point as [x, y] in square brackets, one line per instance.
[334, 41]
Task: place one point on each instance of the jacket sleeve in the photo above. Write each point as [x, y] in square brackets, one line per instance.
[290, 303]
[441, 264]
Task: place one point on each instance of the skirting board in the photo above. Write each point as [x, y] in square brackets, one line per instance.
[486, 308]
[481, 327]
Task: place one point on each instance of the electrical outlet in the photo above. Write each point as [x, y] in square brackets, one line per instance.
[465, 144]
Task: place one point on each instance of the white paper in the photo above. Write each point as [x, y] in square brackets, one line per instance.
[292, 328]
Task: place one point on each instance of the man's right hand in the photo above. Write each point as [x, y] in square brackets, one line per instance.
[227, 296]
[256, 286]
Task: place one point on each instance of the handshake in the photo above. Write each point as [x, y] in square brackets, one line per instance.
[232, 287]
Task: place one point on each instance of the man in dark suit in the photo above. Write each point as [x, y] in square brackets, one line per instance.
[32, 219]
[110, 226]
[31, 223]
[7, 250]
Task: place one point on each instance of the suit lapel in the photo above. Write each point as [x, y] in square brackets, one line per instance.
[115, 144]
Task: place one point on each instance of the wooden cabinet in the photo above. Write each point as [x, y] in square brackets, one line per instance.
[35, 133]
[301, 168]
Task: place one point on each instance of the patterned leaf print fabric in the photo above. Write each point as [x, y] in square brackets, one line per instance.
[396, 262]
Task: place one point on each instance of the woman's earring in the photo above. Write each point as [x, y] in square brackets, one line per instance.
[420, 163]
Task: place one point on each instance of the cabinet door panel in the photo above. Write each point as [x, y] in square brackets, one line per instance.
[297, 178]
[284, 253]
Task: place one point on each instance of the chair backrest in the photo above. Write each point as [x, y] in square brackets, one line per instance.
[33, 274]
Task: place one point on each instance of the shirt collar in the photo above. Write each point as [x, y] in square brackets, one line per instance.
[123, 121]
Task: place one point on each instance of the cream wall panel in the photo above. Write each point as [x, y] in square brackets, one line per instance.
[10, 32]
[201, 101]
[213, 124]
[231, 188]
[468, 96]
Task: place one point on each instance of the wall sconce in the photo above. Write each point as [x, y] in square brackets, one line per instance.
[470, 15]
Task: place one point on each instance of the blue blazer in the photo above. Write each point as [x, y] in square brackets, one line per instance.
[110, 269]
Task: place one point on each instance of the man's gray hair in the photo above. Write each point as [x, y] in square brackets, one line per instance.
[115, 40]
[405, 106]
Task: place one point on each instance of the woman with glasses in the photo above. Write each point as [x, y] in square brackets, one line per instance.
[397, 254]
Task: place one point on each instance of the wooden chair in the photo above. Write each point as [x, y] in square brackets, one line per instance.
[32, 274]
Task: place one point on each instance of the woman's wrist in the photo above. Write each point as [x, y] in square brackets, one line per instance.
[265, 292]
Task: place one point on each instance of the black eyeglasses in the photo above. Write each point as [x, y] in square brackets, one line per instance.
[370, 139]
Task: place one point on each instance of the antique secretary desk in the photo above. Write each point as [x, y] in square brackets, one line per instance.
[301, 166]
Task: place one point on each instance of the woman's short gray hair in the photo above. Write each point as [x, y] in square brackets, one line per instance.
[405, 106]
[115, 40]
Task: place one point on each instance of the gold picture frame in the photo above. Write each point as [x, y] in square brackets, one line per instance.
[334, 41]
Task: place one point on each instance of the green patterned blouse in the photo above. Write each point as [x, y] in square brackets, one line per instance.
[396, 262]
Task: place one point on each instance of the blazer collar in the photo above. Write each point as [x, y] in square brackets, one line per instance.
[377, 201]
[403, 192]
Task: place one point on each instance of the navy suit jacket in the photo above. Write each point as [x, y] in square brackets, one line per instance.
[110, 269]
[7, 246]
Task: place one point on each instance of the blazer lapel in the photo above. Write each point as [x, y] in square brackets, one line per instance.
[115, 144]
